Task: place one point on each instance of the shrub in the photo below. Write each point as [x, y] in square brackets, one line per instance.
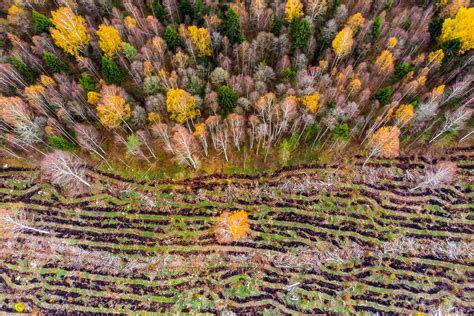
[129, 50]
[61, 143]
[232, 226]
[342, 131]
[289, 73]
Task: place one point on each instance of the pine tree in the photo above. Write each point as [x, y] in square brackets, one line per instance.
[376, 28]
[87, 84]
[41, 23]
[383, 95]
[230, 26]
[402, 70]
[342, 131]
[159, 11]
[53, 64]
[61, 143]
[25, 70]
[301, 34]
[185, 9]
[227, 99]
[435, 28]
[172, 38]
[111, 72]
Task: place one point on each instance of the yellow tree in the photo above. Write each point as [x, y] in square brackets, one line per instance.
[461, 27]
[200, 131]
[392, 42]
[70, 31]
[384, 142]
[201, 40]
[436, 58]
[181, 105]
[16, 15]
[355, 22]
[384, 63]
[293, 10]
[112, 109]
[404, 114]
[232, 226]
[109, 40]
[342, 43]
[311, 102]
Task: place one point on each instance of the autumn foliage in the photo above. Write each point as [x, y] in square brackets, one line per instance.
[232, 226]
[181, 105]
[70, 31]
[109, 40]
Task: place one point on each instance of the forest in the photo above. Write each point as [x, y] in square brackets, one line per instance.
[180, 139]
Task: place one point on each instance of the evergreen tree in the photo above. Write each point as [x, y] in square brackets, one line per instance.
[301, 34]
[342, 131]
[230, 26]
[172, 38]
[451, 48]
[277, 24]
[227, 99]
[111, 72]
[383, 95]
[41, 23]
[23, 69]
[199, 12]
[185, 8]
[53, 64]
[435, 28]
[159, 11]
[402, 70]
[87, 83]
[61, 143]
[376, 28]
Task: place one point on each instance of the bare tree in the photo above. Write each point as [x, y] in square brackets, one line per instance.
[88, 138]
[64, 169]
[13, 220]
[454, 121]
[443, 172]
[186, 147]
[236, 124]
[162, 130]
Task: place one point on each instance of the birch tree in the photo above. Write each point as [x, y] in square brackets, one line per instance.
[64, 169]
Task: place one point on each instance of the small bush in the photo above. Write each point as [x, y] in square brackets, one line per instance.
[61, 143]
